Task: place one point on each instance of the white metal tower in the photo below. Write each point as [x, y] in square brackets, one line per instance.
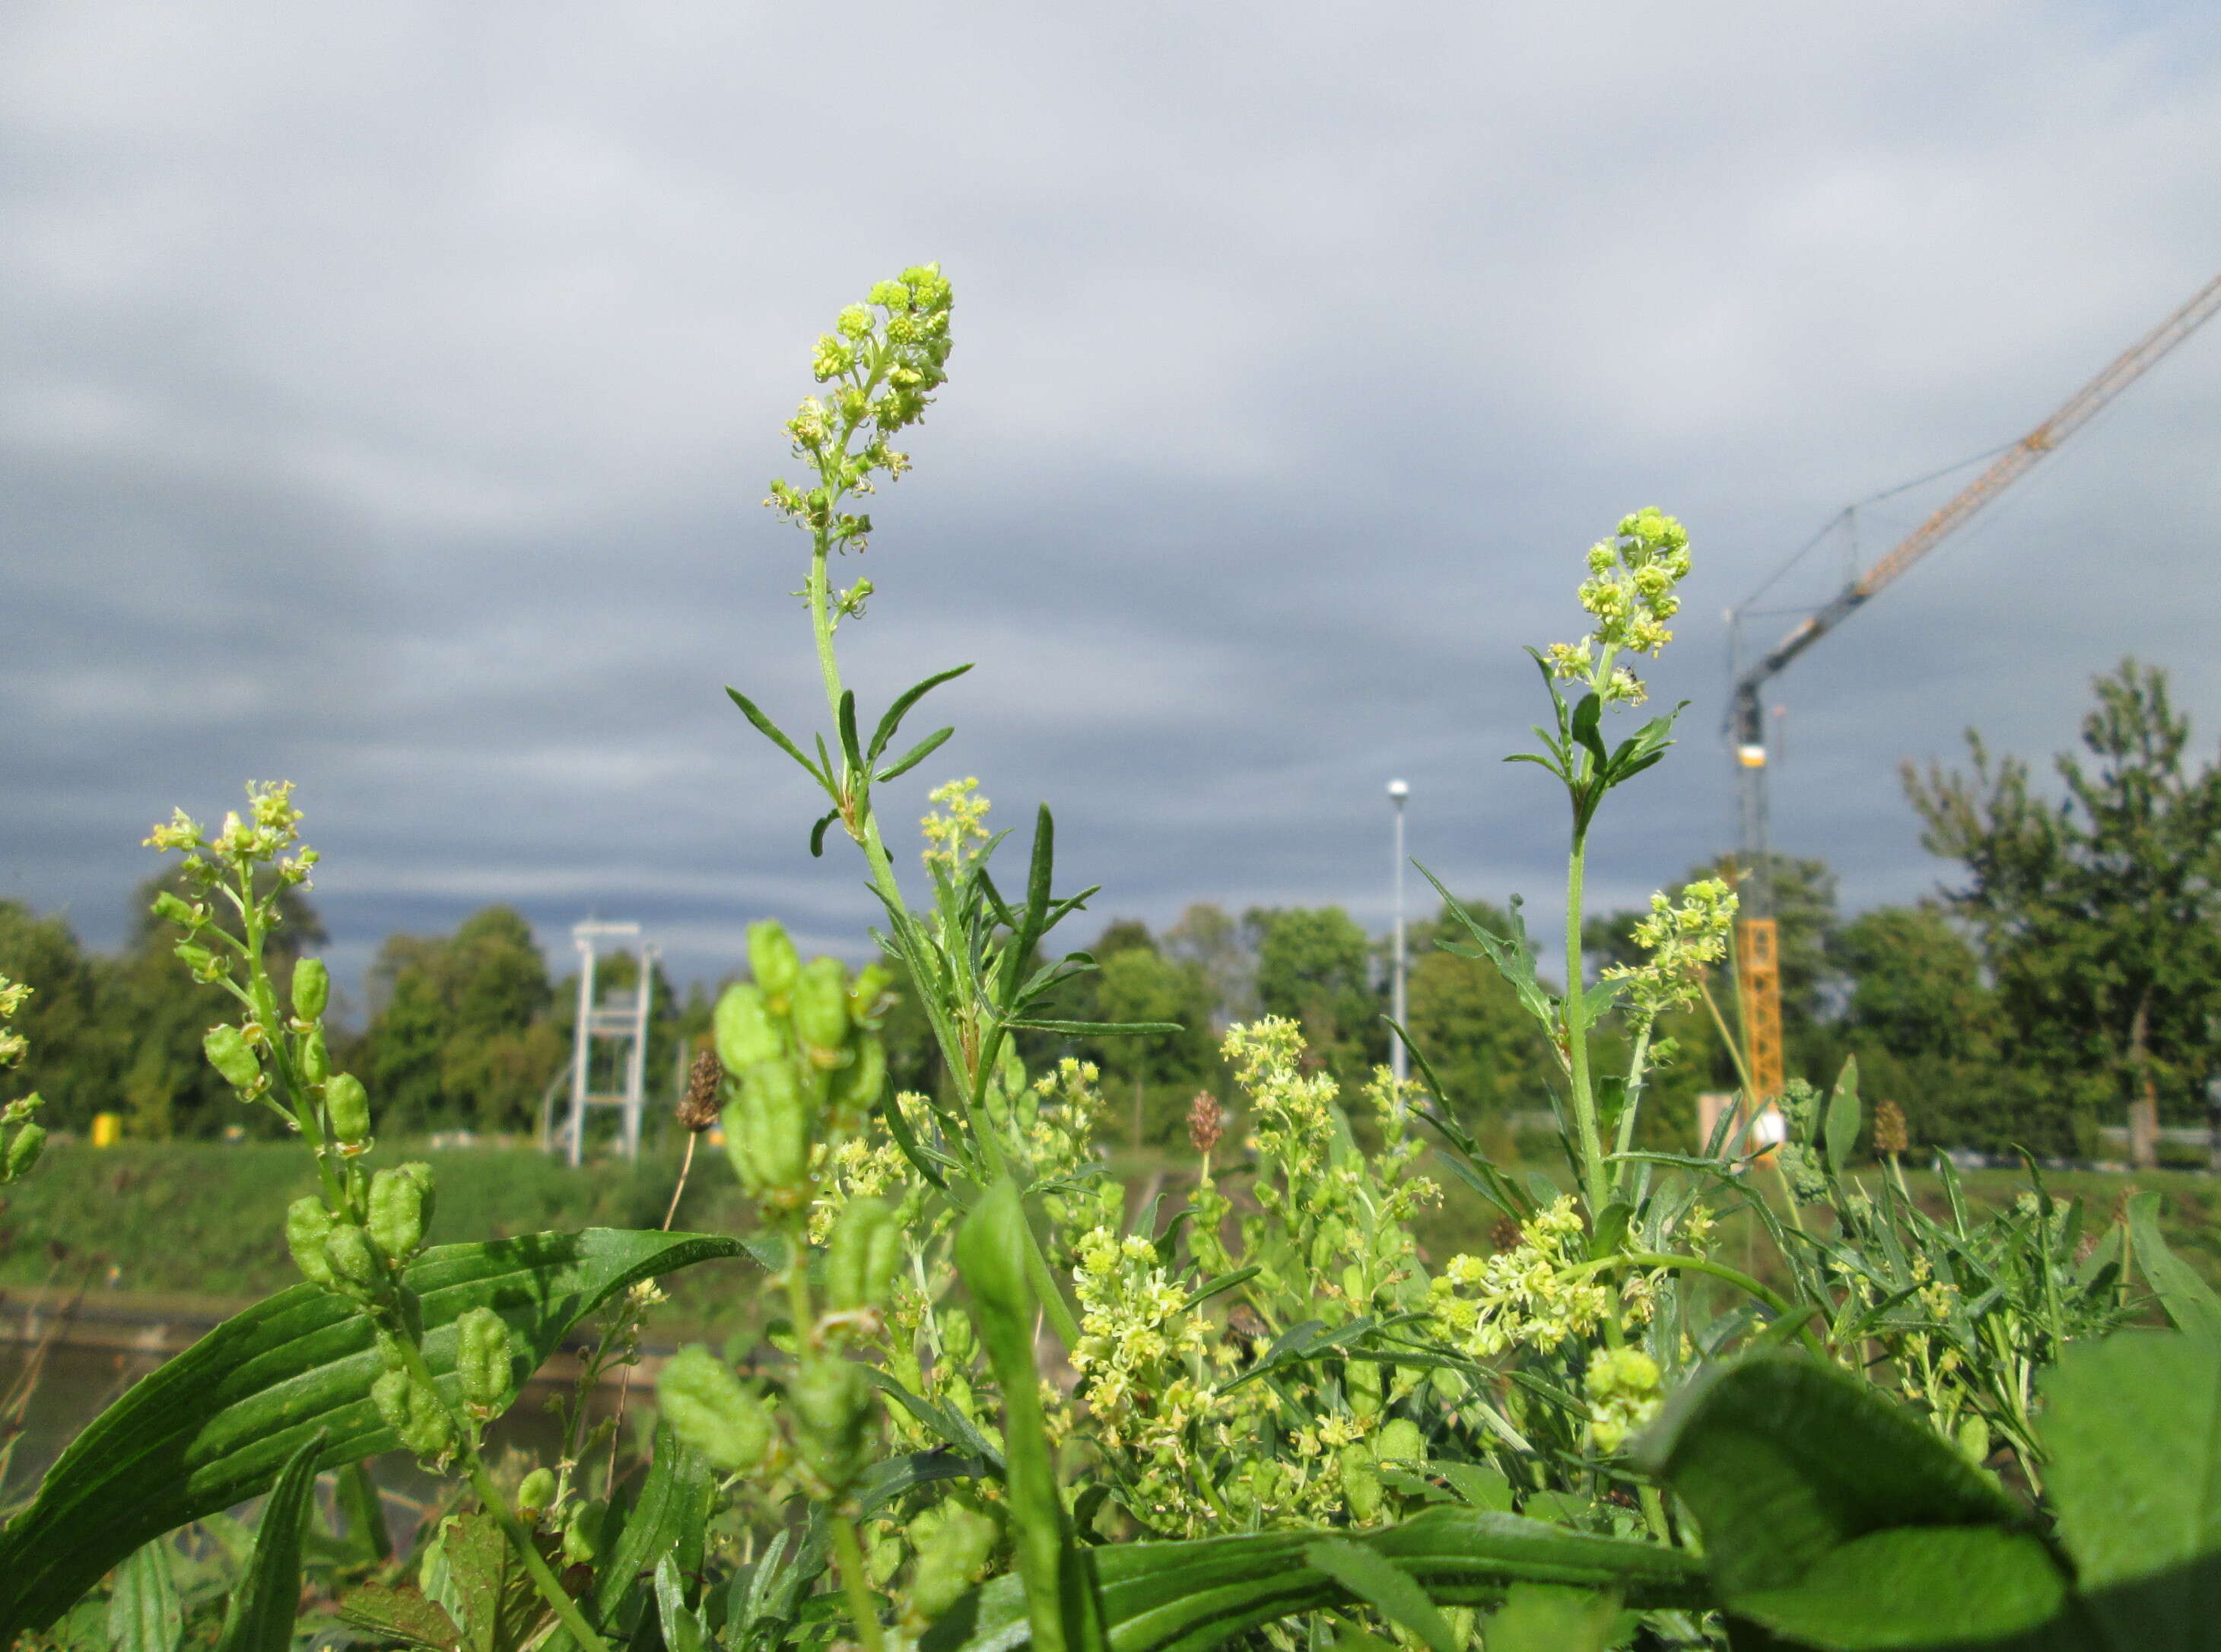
[620, 1020]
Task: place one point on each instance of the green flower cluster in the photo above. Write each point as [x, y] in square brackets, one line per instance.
[1631, 591]
[20, 1150]
[1683, 942]
[1526, 1296]
[883, 361]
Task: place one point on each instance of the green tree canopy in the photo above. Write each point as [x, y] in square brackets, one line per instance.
[1315, 967]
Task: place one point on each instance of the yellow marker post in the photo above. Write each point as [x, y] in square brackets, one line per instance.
[107, 1130]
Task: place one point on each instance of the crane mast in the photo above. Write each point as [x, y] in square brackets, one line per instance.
[1757, 936]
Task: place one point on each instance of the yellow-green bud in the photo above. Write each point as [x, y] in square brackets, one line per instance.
[347, 1248]
[534, 1493]
[771, 959]
[746, 1034]
[821, 1004]
[397, 1213]
[412, 1411]
[482, 1360]
[582, 1532]
[167, 905]
[315, 1059]
[949, 1559]
[346, 1103]
[312, 988]
[307, 1224]
[199, 960]
[859, 1262]
[228, 1053]
[708, 1408]
[832, 1401]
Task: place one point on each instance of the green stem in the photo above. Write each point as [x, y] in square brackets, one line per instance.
[1577, 1037]
[1636, 1066]
[863, 1611]
[1742, 1282]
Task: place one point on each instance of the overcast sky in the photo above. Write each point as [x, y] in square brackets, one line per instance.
[387, 393]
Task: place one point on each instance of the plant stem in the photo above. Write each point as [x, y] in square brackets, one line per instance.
[863, 1611]
[1576, 1036]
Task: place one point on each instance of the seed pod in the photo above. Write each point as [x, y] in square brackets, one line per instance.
[768, 1130]
[397, 1210]
[582, 1532]
[866, 993]
[832, 1401]
[316, 1060]
[746, 1034]
[482, 1360]
[1360, 1487]
[312, 988]
[412, 1411]
[228, 1053]
[949, 1559]
[307, 1224]
[198, 960]
[771, 959]
[821, 1004]
[859, 1263]
[354, 1264]
[866, 1077]
[533, 1494]
[23, 1152]
[167, 905]
[346, 1103]
[1399, 1441]
[707, 1408]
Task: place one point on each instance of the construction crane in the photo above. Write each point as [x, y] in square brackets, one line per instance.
[1757, 955]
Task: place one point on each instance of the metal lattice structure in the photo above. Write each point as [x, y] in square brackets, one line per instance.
[617, 1022]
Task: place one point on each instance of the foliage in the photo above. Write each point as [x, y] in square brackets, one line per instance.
[2100, 914]
[996, 1404]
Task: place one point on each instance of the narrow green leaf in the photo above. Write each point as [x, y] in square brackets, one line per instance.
[1588, 715]
[364, 1511]
[1218, 1282]
[1841, 1130]
[2189, 1301]
[1381, 1586]
[1098, 1028]
[952, 1426]
[916, 755]
[907, 699]
[817, 834]
[213, 1426]
[143, 1614]
[261, 1616]
[669, 1516]
[682, 1628]
[771, 732]
[844, 719]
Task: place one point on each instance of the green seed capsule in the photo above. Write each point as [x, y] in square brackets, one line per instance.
[821, 1004]
[314, 1059]
[1400, 1441]
[397, 1210]
[1361, 1485]
[312, 988]
[768, 1130]
[832, 1401]
[859, 1263]
[307, 1224]
[23, 1152]
[708, 1408]
[346, 1103]
[346, 1249]
[865, 992]
[228, 1053]
[534, 1493]
[949, 1559]
[771, 959]
[582, 1532]
[745, 1031]
[865, 1078]
[482, 1360]
[412, 1411]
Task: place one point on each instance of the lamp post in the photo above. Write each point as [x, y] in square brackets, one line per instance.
[1399, 1058]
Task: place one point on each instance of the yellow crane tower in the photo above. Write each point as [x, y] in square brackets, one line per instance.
[1757, 959]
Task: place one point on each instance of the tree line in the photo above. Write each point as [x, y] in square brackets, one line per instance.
[2067, 975]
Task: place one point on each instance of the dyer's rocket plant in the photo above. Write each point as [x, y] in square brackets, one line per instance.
[1000, 1401]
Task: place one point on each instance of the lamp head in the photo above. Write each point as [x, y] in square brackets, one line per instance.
[1398, 791]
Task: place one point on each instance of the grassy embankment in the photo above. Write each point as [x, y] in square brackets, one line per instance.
[202, 1219]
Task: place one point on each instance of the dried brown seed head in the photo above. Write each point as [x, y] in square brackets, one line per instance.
[698, 1109]
[1206, 1123]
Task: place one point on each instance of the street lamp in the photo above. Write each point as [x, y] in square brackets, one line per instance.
[1399, 1058]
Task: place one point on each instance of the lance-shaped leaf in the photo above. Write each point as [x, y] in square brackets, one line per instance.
[214, 1426]
[143, 1614]
[261, 1618]
[773, 732]
[907, 699]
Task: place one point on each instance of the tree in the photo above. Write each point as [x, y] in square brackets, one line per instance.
[2099, 914]
[1926, 1027]
[1206, 936]
[1314, 967]
[68, 1063]
[1468, 1023]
